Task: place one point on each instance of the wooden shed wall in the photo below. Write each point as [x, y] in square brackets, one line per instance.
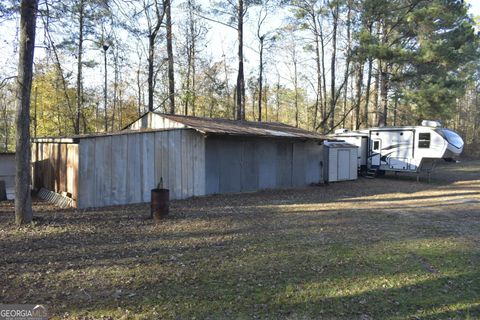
[250, 164]
[55, 167]
[122, 169]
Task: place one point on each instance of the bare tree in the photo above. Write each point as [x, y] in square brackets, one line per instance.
[155, 13]
[171, 72]
[333, 95]
[236, 10]
[23, 201]
[240, 96]
[194, 32]
[263, 40]
[81, 12]
[311, 13]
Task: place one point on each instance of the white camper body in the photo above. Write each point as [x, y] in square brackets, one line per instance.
[403, 149]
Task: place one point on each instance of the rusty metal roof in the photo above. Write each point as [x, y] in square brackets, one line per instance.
[212, 126]
[207, 126]
[76, 138]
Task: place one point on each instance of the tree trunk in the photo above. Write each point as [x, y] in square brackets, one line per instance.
[348, 58]
[358, 94]
[384, 96]
[139, 88]
[277, 97]
[115, 89]
[260, 81]
[194, 90]
[367, 91]
[151, 56]
[395, 110]
[384, 69]
[105, 95]
[187, 85]
[240, 103]
[333, 97]
[23, 201]
[376, 90]
[190, 40]
[324, 81]
[171, 73]
[79, 67]
[319, 98]
[152, 36]
[295, 83]
[227, 87]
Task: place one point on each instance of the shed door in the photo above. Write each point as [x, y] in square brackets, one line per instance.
[343, 168]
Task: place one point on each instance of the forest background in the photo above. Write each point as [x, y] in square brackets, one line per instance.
[316, 64]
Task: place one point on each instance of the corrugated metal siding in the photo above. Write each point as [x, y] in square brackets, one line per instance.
[123, 169]
[249, 164]
[7, 172]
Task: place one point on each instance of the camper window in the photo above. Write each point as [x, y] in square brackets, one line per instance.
[424, 140]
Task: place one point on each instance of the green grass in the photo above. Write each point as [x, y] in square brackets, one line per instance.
[370, 249]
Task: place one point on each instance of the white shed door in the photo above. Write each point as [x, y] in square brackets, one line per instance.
[343, 169]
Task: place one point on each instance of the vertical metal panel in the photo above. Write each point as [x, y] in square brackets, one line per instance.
[103, 171]
[168, 170]
[184, 160]
[267, 165]
[86, 176]
[158, 157]
[299, 164]
[212, 166]
[7, 173]
[134, 174]
[175, 163]
[332, 164]
[343, 164]
[284, 164]
[119, 170]
[249, 170]
[230, 165]
[353, 163]
[199, 165]
[148, 165]
[314, 156]
[191, 158]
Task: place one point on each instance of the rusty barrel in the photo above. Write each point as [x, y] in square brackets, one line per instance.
[160, 203]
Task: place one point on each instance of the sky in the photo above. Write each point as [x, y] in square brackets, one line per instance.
[475, 7]
[220, 40]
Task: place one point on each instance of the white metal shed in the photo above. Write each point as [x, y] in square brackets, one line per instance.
[340, 161]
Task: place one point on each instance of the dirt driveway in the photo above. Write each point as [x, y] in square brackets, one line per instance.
[369, 249]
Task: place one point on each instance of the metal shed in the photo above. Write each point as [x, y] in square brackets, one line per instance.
[194, 157]
[340, 161]
[248, 156]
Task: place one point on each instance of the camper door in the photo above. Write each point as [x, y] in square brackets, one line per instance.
[376, 146]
